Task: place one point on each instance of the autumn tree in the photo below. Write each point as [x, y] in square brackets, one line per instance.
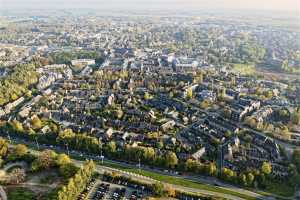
[171, 192]
[20, 150]
[189, 93]
[296, 117]
[250, 178]
[158, 189]
[62, 159]
[266, 168]
[45, 160]
[17, 126]
[77, 183]
[3, 147]
[68, 170]
[171, 159]
[17, 176]
[36, 123]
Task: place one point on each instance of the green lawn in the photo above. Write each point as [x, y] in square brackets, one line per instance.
[20, 194]
[280, 189]
[244, 69]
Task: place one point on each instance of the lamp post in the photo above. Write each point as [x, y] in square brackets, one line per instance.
[100, 148]
[8, 136]
[139, 164]
[37, 143]
[67, 149]
[101, 157]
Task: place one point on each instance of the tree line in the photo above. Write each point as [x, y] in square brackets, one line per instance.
[154, 157]
[77, 183]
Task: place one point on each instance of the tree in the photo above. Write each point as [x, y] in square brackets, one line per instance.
[268, 94]
[111, 148]
[228, 174]
[228, 134]
[118, 113]
[17, 83]
[199, 77]
[171, 159]
[3, 147]
[45, 160]
[147, 96]
[62, 159]
[296, 117]
[189, 93]
[171, 192]
[243, 179]
[283, 114]
[148, 154]
[158, 189]
[233, 80]
[67, 133]
[226, 112]
[159, 145]
[250, 179]
[205, 104]
[296, 158]
[212, 169]
[191, 165]
[36, 123]
[20, 150]
[294, 177]
[251, 122]
[266, 168]
[16, 125]
[17, 176]
[78, 182]
[285, 65]
[68, 170]
[222, 93]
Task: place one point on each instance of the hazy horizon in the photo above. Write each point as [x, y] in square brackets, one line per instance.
[269, 5]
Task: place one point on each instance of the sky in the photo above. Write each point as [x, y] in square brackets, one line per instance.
[273, 5]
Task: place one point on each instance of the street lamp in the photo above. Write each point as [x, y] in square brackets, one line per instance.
[37, 144]
[100, 147]
[67, 148]
[101, 157]
[8, 136]
[139, 164]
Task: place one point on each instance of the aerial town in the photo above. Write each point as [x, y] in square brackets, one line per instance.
[140, 107]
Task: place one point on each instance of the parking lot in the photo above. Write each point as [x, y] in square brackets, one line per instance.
[105, 190]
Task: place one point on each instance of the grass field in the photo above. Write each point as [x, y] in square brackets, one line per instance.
[280, 189]
[244, 69]
[20, 194]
